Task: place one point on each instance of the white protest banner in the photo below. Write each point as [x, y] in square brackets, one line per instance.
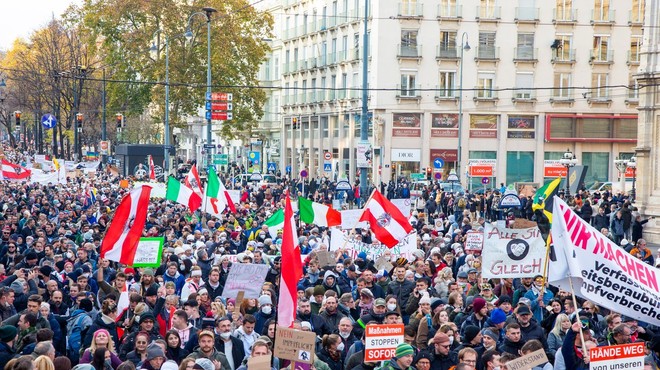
[158, 189]
[235, 196]
[622, 356]
[246, 277]
[349, 219]
[149, 252]
[474, 241]
[403, 205]
[601, 271]
[528, 361]
[381, 341]
[512, 253]
[339, 239]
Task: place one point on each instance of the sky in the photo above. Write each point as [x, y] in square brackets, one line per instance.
[22, 17]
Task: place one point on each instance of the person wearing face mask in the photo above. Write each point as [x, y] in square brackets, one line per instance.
[265, 313]
[539, 297]
[330, 282]
[332, 351]
[228, 344]
[345, 331]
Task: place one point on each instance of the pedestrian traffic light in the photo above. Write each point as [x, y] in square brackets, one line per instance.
[79, 119]
[17, 115]
[120, 121]
[429, 173]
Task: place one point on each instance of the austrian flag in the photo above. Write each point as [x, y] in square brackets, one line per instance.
[12, 171]
[385, 220]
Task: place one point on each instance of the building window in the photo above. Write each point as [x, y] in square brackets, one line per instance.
[447, 84]
[344, 48]
[408, 7]
[408, 85]
[637, 12]
[524, 85]
[519, 167]
[599, 89]
[448, 44]
[486, 49]
[562, 86]
[633, 88]
[525, 46]
[324, 127]
[409, 43]
[564, 51]
[564, 10]
[602, 10]
[601, 52]
[635, 49]
[598, 166]
[487, 9]
[485, 84]
[448, 9]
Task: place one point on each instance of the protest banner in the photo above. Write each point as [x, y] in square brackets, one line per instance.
[295, 345]
[474, 241]
[512, 253]
[158, 189]
[149, 252]
[245, 277]
[326, 258]
[350, 219]
[600, 270]
[528, 361]
[381, 341]
[339, 239]
[622, 356]
[403, 205]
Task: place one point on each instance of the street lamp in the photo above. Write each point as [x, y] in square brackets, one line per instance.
[207, 12]
[632, 163]
[568, 160]
[465, 46]
[154, 54]
[621, 166]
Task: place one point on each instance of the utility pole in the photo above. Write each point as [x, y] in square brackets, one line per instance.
[364, 120]
[104, 128]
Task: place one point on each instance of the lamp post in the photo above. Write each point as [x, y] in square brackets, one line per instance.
[568, 160]
[632, 163]
[621, 166]
[154, 54]
[207, 12]
[465, 46]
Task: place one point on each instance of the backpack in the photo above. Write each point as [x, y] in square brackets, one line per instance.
[75, 336]
[461, 203]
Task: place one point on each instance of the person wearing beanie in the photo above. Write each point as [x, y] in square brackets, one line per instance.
[193, 283]
[471, 339]
[403, 358]
[146, 322]
[316, 299]
[497, 320]
[478, 317]
[265, 313]
[7, 337]
[155, 357]
[490, 339]
[439, 351]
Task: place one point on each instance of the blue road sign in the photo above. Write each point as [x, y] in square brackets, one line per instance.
[288, 169]
[438, 163]
[208, 95]
[272, 167]
[208, 114]
[48, 121]
[327, 167]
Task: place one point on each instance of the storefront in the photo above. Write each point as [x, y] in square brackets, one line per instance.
[447, 157]
[405, 162]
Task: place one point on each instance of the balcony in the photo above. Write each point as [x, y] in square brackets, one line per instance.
[323, 24]
[635, 18]
[355, 93]
[633, 95]
[562, 96]
[408, 93]
[293, 66]
[331, 94]
[600, 95]
[525, 54]
[445, 93]
[601, 57]
[527, 15]
[410, 10]
[322, 61]
[449, 13]
[564, 16]
[564, 56]
[409, 52]
[602, 17]
[445, 52]
[488, 13]
[311, 97]
[342, 18]
[633, 58]
[311, 63]
[487, 54]
[524, 96]
[332, 59]
[481, 94]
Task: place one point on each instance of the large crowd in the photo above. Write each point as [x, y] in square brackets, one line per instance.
[63, 307]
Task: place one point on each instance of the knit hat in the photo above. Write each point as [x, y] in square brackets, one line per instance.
[436, 302]
[425, 299]
[471, 331]
[107, 333]
[441, 338]
[151, 291]
[478, 304]
[204, 364]
[497, 316]
[169, 365]
[318, 290]
[264, 299]
[147, 316]
[86, 305]
[17, 286]
[8, 333]
[45, 270]
[489, 333]
[154, 351]
[503, 299]
[196, 272]
[148, 271]
[403, 349]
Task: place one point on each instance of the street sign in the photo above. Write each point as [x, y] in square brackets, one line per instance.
[221, 159]
[417, 176]
[222, 106]
[485, 180]
[438, 175]
[327, 167]
[272, 167]
[209, 146]
[288, 169]
[222, 96]
[327, 156]
[303, 173]
[104, 147]
[438, 163]
[48, 121]
[221, 116]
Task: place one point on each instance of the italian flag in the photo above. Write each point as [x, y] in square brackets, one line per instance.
[214, 201]
[275, 223]
[180, 193]
[288, 298]
[317, 213]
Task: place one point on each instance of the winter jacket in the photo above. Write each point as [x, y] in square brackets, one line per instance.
[101, 322]
[511, 347]
[555, 341]
[214, 356]
[178, 280]
[401, 290]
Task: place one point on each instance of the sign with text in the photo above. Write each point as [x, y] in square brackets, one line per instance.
[444, 125]
[553, 168]
[406, 124]
[474, 241]
[623, 356]
[381, 341]
[481, 171]
[364, 154]
[353, 246]
[148, 252]
[294, 345]
[483, 126]
[512, 253]
[447, 155]
[528, 361]
[245, 277]
[406, 155]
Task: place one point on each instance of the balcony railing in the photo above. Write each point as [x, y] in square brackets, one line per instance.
[408, 9]
[524, 95]
[487, 53]
[633, 57]
[599, 95]
[488, 13]
[447, 52]
[484, 94]
[332, 58]
[450, 12]
[635, 17]
[408, 92]
[409, 51]
[445, 92]
[525, 54]
[527, 14]
[562, 94]
[564, 16]
[599, 16]
[601, 56]
[564, 56]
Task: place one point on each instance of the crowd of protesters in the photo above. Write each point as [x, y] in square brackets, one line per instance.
[62, 305]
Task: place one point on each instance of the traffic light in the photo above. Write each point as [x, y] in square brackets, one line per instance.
[429, 173]
[17, 115]
[79, 119]
[120, 121]
[294, 122]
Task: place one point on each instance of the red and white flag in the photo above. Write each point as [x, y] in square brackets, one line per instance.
[12, 171]
[225, 192]
[292, 273]
[121, 240]
[152, 169]
[385, 220]
[192, 181]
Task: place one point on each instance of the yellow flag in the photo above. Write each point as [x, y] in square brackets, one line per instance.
[56, 163]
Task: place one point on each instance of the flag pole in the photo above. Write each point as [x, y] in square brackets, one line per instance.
[570, 282]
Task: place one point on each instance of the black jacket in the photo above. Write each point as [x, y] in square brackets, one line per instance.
[237, 349]
[318, 324]
[511, 347]
[438, 361]
[401, 290]
[100, 324]
[6, 354]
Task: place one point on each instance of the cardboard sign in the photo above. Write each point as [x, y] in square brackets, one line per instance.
[339, 239]
[247, 277]
[149, 252]
[295, 345]
[512, 253]
[528, 361]
[239, 300]
[623, 356]
[259, 363]
[326, 258]
[381, 341]
[474, 241]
